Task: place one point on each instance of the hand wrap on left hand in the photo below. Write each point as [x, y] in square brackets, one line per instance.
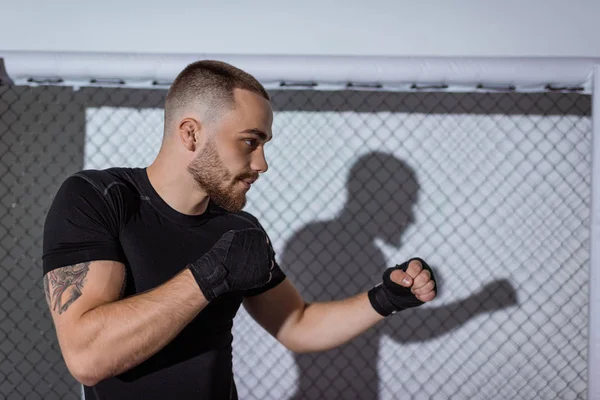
[389, 297]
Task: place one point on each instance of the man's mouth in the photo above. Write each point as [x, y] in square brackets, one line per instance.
[248, 182]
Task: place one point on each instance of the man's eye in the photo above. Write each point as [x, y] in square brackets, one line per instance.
[250, 142]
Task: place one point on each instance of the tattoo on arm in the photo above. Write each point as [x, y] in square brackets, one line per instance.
[66, 284]
[47, 287]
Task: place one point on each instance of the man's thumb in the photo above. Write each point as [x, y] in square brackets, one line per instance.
[401, 278]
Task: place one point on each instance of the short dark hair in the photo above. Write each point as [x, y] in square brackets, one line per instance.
[209, 81]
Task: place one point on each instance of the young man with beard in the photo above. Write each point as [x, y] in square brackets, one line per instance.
[145, 268]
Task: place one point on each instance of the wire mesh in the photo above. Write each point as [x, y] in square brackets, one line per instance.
[492, 189]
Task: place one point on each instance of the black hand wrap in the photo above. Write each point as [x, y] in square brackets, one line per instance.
[240, 260]
[389, 297]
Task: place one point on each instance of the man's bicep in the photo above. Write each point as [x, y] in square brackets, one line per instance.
[277, 309]
[75, 289]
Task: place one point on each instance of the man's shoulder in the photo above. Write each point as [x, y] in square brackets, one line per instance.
[104, 181]
[103, 178]
[116, 187]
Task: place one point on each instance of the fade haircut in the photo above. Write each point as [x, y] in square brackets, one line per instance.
[208, 86]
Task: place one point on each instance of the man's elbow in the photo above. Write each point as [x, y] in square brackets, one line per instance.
[295, 348]
[291, 344]
[303, 346]
[301, 350]
[84, 369]
[310, 349]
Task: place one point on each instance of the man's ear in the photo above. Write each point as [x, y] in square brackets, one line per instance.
[189, 131]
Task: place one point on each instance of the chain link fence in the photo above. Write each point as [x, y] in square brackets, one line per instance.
[493, 189]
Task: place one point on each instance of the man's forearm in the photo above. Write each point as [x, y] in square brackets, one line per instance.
[326, 325]
[118, 336]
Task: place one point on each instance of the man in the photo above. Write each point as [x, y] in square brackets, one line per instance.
[145, 269]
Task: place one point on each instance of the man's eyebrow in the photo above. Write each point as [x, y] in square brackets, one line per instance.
[258, 133]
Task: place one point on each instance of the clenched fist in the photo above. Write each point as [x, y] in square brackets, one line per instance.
[239, 260]
[404, 286]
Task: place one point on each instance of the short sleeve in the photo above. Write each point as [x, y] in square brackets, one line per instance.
[82, 225]
[276, 278]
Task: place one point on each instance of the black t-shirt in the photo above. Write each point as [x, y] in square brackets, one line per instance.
[116, 214]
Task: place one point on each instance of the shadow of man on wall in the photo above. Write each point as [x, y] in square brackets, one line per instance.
[338, 258]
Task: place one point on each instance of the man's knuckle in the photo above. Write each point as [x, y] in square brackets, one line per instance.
[421, 280]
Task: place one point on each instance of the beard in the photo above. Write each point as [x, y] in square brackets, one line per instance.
[215, 179]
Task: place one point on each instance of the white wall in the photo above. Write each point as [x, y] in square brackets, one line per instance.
[384, 27]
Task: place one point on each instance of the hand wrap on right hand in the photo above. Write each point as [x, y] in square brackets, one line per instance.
[240, 260]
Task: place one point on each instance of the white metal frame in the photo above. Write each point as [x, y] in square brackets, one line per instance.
[340, 73]
[320, 72]
[594, 280]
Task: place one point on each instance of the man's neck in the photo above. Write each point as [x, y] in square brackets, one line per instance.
[177, 188]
